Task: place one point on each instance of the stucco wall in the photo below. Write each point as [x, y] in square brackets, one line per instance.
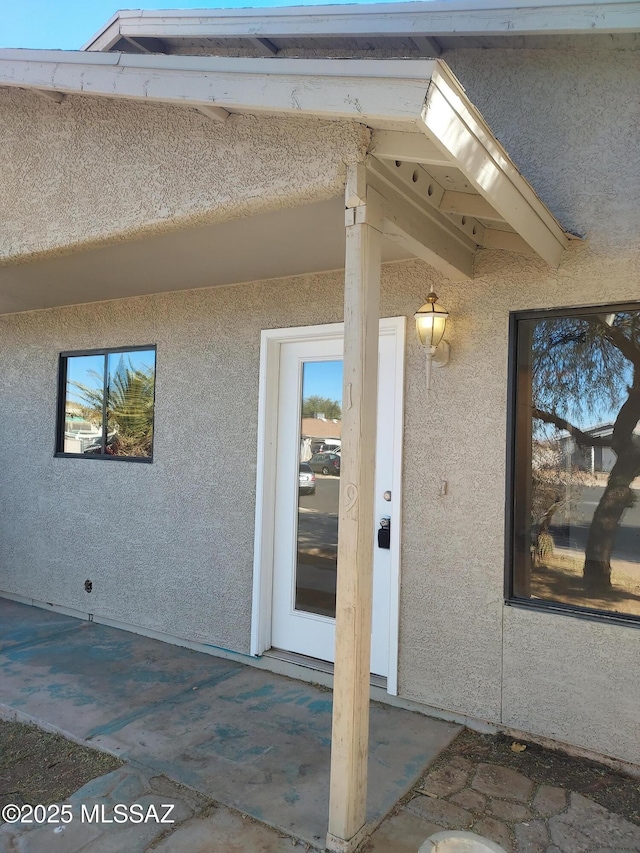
[169, 545]
[572, 680]
[94, 170]
[570, 120]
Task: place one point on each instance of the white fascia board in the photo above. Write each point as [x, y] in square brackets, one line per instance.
[458, 129]
[106, 38]
[109, 32]
[438, 19]
[367, 91]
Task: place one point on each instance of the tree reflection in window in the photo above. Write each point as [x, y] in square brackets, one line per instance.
[113, 392]
[576, 513]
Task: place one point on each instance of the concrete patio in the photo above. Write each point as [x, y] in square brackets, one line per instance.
[233, 734]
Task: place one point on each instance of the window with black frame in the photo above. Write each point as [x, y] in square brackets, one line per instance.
[106, 403]
[576, 460]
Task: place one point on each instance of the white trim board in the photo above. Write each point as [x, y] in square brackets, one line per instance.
[379, 92]
[459, 130]
[271, 341]
[354, 69]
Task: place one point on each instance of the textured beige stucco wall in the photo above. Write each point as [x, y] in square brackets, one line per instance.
[94, 170]
[570, 120]
[573, 680]
[169, 546]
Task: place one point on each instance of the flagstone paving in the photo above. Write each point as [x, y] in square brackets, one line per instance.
[475, 786]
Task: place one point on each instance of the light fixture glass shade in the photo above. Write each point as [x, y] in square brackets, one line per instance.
[431, 321]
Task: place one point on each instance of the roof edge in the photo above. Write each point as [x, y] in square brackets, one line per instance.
[421, 96]
[420, 17]
[375, 92]
[458, 128]
[397, 69]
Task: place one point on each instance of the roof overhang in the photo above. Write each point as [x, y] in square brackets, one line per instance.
[430, 20]
[418, 111]
[380, 93]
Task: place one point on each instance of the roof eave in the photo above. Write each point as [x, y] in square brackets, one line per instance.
[102, 41]
[459, 130]
[432, 18]
[417, 96]
[378, 92]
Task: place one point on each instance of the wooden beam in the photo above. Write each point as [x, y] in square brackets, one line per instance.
[423, 238]
[494, 239]
[133, 43]
[406, 148]
[265, 47]
[422, 229]
[355, 192]
[216, 113]
[427, 46]
[350, 733]
[468, 204]
[418, 184]
[146, 44]
[463, 134]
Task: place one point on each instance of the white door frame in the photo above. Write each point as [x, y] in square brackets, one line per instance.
[271, 341]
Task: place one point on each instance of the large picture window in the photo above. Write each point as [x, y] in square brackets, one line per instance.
[575, 509]
[105, 404]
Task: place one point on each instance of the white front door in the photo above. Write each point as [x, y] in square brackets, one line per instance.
[305, 522]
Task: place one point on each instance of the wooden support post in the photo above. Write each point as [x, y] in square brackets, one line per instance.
[350, 735]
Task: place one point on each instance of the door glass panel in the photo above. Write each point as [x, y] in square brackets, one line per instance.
[319, 487]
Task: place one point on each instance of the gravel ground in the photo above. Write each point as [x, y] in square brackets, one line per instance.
[38, 767]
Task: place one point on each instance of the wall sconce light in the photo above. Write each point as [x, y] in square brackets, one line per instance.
[431, 321]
